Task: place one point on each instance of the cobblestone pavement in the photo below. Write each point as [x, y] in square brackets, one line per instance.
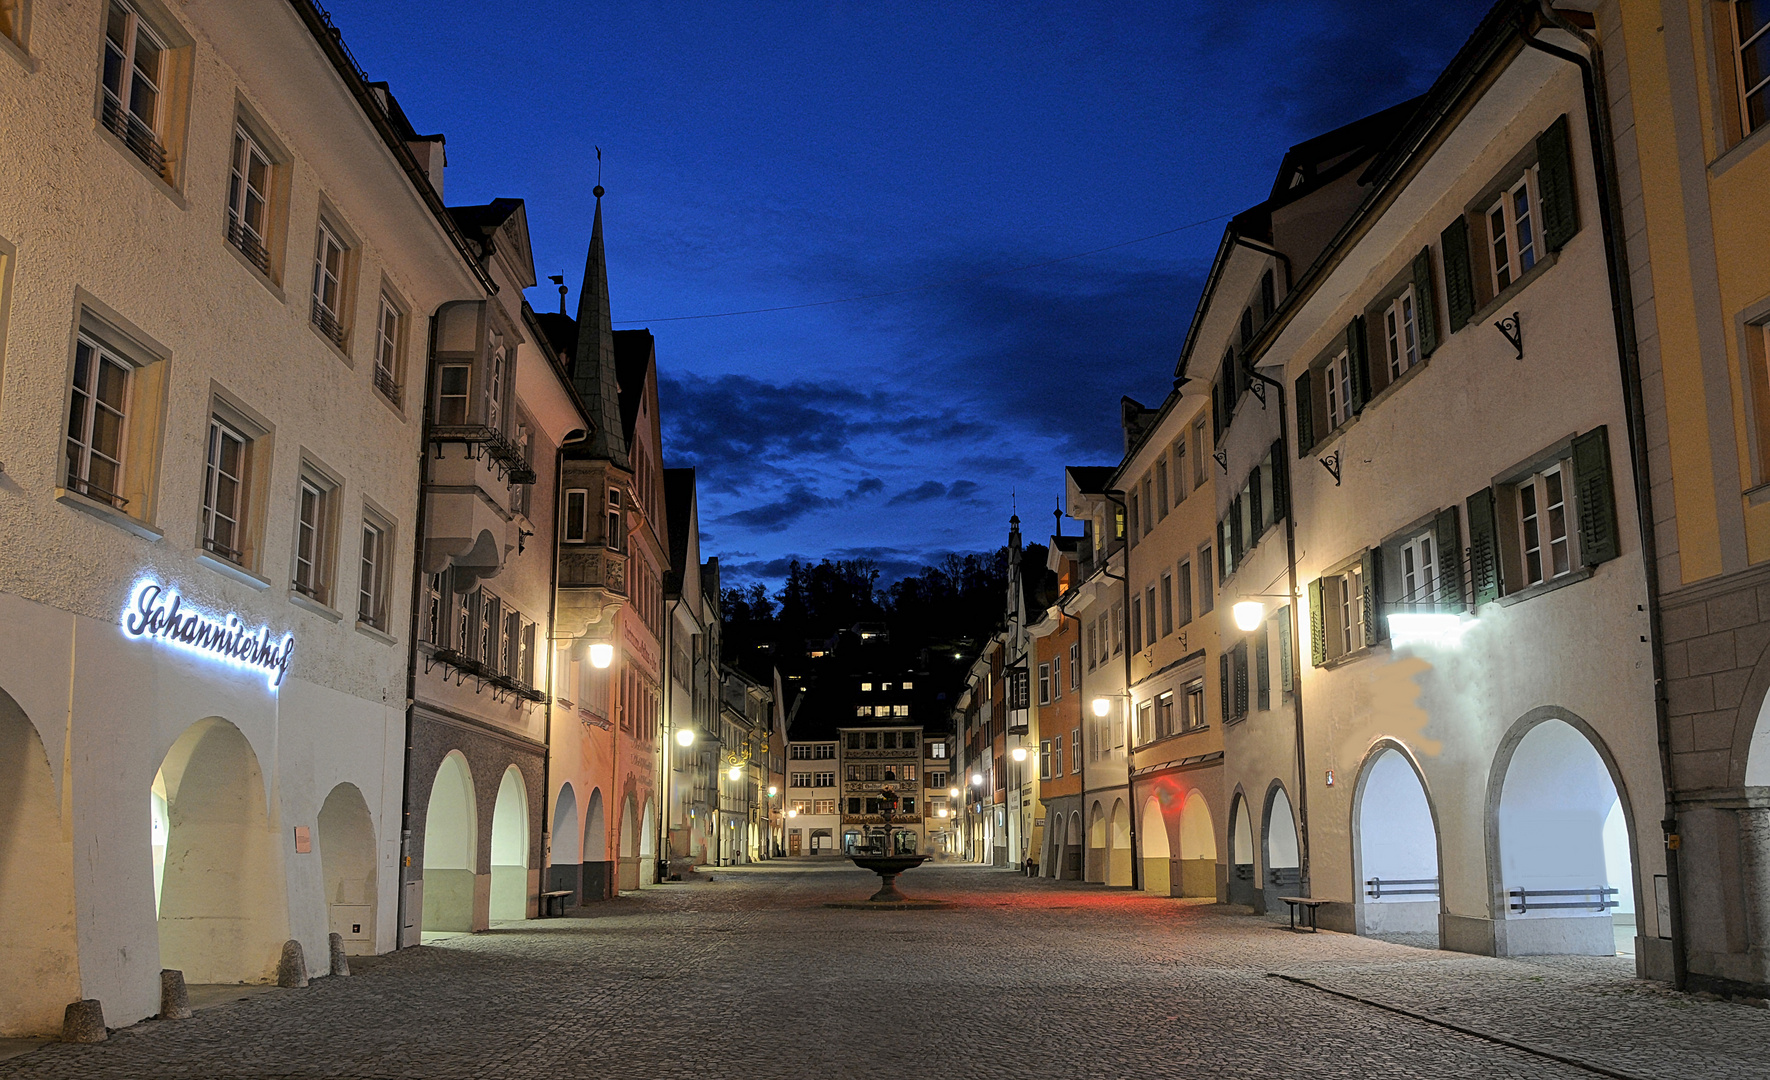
[750, 976]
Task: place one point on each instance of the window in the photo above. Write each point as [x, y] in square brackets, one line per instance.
[577, 516]
[888, 740]
[823, 779]
[371, 587]
[1149, 606]
[823, 806]
[1205, 601]
[866, 687]
[1183, 595]
[907, 804]
[1145, 722]
[1136, 623]
[1198, 454]
[824, 752]
[1419, 570]
[615, 532]
[1164, 715]
[854, 740]
[1349, 594]
[800, 779]
[437, 597]
[854, 805]
[1339, 391]
[1752, 42]
[1401, 334]
[908, 685]
[1134, 516]
[1075, 750]
[134, 79]
[900, 710]
[1150, 507]
[1118, 628]
[937, 778]
[937, 750]
[248, 200]
[907, 772]
[1161, 490]
[1044, 759]
[495, 391]
[224, 477]
[799, 753]
[1178, 453]
[96, 416]
[328, 285]
[1542, 519]
[313, 533]
[872, 740]
[452, 385]
[1075, 665]
[1093, 646]
[1512, 233]
[12, 21]
[1193, 717]
[1345, 606]
[388, 330]
[1044, 684]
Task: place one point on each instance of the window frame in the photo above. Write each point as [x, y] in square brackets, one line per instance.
[1401, 333]
[331, 320]
[147, 139]
[1337, 381]
[390, 349]
[323, 531]
[373, 572]
[223, 429]
[102, 354]
[1740, 44]
[1419, 559]
[1537, 489]
[1504, 204]
[251, 240]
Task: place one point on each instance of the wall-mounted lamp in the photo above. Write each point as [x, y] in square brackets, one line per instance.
[1018, 753]
[1102, 706]
[1248, 614]
[735, 772]
[773, 791]
[952, 793]
[977, 779]
[685, 736]
[602, 654]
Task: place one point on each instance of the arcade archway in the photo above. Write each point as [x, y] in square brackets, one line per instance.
[1283, 875]
[347, 866]
[38, 935]
[566, 868]
[510, 849]
[451, 847]
[1153, 834]
[1197, 862]
[1395, 851]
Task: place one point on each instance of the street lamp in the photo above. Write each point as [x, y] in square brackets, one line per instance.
[1248, 614]
[1102, 706]
[735, 773]
[977, 779]
[952, 793]
[773, 791]
[602, 654]
[1018, 753]
[685, 737]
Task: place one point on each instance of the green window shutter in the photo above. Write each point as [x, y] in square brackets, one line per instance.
[1223, 681]
[1262, 670]
[1279, 471]
[1358, 356]
[1597, 500]
[1554, 178]
[1317, 624]
[1285, 675]
[1459, 276]
[1449, 539]
[1256, 511]
[1236, 539]
[1304, 404]
[1425, 302]
[1241, 678]
[1374, 622]
[1484, 548]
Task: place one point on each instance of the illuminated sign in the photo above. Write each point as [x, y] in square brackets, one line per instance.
[158, 613]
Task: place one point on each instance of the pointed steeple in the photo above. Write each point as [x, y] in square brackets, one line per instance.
[1016, 592]
[593, 369]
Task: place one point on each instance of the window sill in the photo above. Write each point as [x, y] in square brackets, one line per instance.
[1510, 292]
[1759, 495]
[160, 182]
[302, 600]
[341, 351]
[106, 512]
[1354, 656]
[397, 408]
[14, 50]
[238, 573]
[378, 634]
[263, 278]
[1569, 578]
[1739, 151]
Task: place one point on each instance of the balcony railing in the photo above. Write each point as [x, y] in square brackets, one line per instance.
[384, 382]
[327, 321]
[137, 136]
[250, 244]
[96, 493]
[494, 443]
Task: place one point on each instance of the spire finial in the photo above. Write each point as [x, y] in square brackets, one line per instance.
[1058, 514]
[597, 190]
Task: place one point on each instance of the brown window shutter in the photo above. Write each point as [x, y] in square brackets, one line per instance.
[1277, 464]
[1597, 499]
[1449, 538]
[1304, 405]
[1459, 276]
[1484, 548]
[1425, 302]
[1358, 355]
[1223, 681]
[1317, 624]
[1554, 179]
[1374, 623]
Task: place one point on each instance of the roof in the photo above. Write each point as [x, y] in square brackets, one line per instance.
[678, 502]
[1330, 155]
[1091, 479]
[634, 350]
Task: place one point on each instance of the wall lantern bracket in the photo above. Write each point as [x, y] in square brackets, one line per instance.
[1513, 329]
[1332, 464]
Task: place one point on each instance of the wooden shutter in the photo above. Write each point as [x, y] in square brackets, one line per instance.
[1241, 678]
[1223, 681]
[1425, 302]
[1370, 568]
[1317, 624]
[1236, 539]
[1597, 500]
[1256, 510]
[1459, 276]
[1279, 472]
[1284, 649]
[1304, 406]
[1449, 539]
[1358, 356]
[1262, 670]
[1484, 549]
[1554, 180]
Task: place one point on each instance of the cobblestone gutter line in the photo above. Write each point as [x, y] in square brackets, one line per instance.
[1486, 1036]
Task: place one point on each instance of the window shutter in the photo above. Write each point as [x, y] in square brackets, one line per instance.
[1304, 404]
[1357, 355]
[1216, 414]
[1459, 277]
[1236, 539]
[1241, 678]
[1262, 670]
[1317, 624]
[1597, 501]
[1554, 181]
[1425, 302]
[1223, 681]
[1279, 471]
[1256, 512]
[1484, 549]
[1449, 539]
[1374, 624]
[1284, 649]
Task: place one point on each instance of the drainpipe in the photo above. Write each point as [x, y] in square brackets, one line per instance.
[1267, 249]
[1080, 752]
[572, 438]
[1117, 498]
[664, 750]
[1290, 549]
[1622, 309]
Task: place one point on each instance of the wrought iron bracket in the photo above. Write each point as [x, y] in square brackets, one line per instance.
[1513, 329]
[1259, 390]
[1222, 459]
[1332, 464]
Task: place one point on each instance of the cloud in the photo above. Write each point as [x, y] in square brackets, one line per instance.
[923, 492]
[798, 501]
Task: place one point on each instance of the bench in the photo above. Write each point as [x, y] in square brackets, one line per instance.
[1308, 905]
[553, 903]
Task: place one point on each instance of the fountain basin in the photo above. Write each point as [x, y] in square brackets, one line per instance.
[888, 898]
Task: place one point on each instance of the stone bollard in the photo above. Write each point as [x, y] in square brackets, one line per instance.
[340, 962]
[83, 1022]
[175, 998]
[292, 968]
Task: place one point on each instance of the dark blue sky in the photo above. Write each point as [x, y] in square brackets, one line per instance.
[768, 155]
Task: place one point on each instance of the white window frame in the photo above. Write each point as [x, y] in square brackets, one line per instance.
[1192, 714]
[616, 527]
[1044, 684]
[329, 277]
[85, 409]
[1419, 569]
[575, 521]
[313, 513]
[1161, 490]
[1741, 46]
[1349, 608]
[372, 562]
[220, 502]
[1339, 391]
[1545, 528]
[1401, 333]
[1510, 255]
[249, 232]
[389, 330]
[140, 124]
[498, 370]
[447, 396]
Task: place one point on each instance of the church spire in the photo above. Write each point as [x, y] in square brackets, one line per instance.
[593, 369]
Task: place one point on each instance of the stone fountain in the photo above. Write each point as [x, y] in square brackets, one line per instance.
[894, 856]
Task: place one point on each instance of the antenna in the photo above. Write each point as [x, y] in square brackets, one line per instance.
[559, 280]
[599, 172]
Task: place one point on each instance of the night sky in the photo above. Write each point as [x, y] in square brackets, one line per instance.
[772, 155]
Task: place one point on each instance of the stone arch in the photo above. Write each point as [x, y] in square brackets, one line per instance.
[1279, 853]
[1076, 848]
[1153, 834]
[1553, 785]
[38, 938]
[627, 869]
[566, 857]
[595, 829]
[1749, 764]
[451, 847]
[1244, 887]
[1197, 861]
[1094, 860]
[510, 848]
[223, 909]
[1052, 867]
[648, 844]
[1397, 861]
[347, 866]
[1119, 864]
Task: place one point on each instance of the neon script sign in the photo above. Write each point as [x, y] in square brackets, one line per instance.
[156, 612]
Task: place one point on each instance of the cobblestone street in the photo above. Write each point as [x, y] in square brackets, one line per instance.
[750, 976]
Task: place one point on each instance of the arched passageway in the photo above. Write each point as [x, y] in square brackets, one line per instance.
[223, 914]
[1561, 885]
[648, 847]
[38, 944]
[1279, 854]
[1197, 861]
[628, 867]
[1052, 866]
[1153, 835]
[1243, 886]
[347, 866]
[566, 869]
[451, 848]
[1395, 845]
[1119, 868]
[1095, 860]
[597, 870]
[510, 849]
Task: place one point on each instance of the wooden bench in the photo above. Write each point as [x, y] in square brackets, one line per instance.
[553, 903]
[1308, 905]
